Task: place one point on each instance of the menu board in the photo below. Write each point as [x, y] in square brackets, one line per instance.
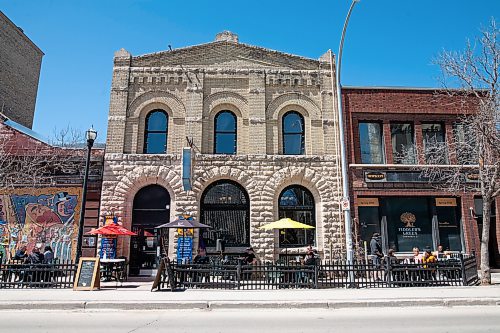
[87, 276]
[108, 247]
[185, 248]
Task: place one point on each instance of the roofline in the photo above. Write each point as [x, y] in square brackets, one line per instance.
[18, 29]
[393, 88]
[221, 42]
[23, 129]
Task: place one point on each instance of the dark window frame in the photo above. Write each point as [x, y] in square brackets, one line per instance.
[235, 132]
[285, 133]
[443, 128]
[414, 140]
[148, 131]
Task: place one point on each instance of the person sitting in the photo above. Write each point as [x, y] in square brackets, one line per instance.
[309, 259]
[428, 257]
[21, 253]
[428, 260]
[201, 258]
[249, 258]
[48, 255]
[417, 256]
[35, 257]
[440, 254]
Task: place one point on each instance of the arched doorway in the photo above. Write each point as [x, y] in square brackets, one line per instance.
[151, 208]
[226, 208]
[297, 203]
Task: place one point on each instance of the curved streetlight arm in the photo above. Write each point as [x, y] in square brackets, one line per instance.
[343, 151]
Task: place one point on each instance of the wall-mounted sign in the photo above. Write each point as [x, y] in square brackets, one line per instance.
[374, 176]
[446, 202]
[409, 230]
[368, 202]
[471, 177]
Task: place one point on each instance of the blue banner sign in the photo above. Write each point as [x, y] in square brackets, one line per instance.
[185, 248]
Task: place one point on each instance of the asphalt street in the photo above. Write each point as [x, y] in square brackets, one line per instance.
[415, 319]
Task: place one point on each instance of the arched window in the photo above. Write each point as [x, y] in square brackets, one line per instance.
[293, 133]
[226, 208]
[151, 207]
[225, 133]
[297, 203]
[156, 132]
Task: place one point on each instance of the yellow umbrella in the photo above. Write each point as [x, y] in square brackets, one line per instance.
[286, 223]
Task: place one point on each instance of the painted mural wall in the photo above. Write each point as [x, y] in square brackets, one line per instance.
[39, 217]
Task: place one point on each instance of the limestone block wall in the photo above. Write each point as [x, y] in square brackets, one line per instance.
[262, 176]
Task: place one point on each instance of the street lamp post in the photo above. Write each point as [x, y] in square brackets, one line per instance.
[91, 135]
[343, 151]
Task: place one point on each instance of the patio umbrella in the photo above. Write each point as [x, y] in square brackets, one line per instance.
[181, 223]
[286, 223]
[112, 230]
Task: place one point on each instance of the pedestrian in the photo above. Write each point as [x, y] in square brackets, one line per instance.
[48, 255]
[376, 254]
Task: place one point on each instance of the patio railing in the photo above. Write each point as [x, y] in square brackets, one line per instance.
[459, 271]
[19, 275]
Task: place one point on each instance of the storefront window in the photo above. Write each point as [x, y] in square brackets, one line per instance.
[409, 223]
[449, 228]
[371, 143]
[297, 203]
[369, 222]
[403, 144]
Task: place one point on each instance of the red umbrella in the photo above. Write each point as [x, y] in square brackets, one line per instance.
[112, 230]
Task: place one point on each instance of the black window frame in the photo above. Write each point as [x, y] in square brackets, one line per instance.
[285, 133]
[148, 131]
[235, 132]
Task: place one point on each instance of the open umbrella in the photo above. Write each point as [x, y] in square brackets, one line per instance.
[112, 230]
[183, 223]
[285, 223]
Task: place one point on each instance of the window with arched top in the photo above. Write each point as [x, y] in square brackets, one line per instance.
[297, 203]
[225, 133]
[293, 133]
[225, 206]
[156, 132]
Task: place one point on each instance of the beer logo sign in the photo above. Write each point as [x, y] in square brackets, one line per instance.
[408, 219]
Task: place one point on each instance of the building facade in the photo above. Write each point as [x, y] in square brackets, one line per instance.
[20, 62]
[39, 208]
[260, 128]
[390, 195]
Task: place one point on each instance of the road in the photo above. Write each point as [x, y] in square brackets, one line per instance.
[386, 320]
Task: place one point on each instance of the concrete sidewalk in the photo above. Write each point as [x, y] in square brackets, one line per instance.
[137, 296]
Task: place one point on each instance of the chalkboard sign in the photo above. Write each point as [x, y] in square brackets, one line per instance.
[87, 276]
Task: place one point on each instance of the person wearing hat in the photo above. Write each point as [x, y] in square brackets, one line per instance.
[376, 253]
[250, 258]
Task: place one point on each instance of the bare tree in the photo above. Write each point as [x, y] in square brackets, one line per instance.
[474, 150]
[31, 163]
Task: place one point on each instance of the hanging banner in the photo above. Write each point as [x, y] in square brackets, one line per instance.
[185, 249]
[108, 248]
[187, 169]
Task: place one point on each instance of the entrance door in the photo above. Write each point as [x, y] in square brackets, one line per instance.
[151, 208]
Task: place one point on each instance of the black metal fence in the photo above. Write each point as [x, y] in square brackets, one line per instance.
[20, 275]
[459, 271]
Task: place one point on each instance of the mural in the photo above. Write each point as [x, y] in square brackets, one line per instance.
[38, 218]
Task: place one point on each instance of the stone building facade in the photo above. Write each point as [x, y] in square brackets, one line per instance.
[191, 88]
[20, 62]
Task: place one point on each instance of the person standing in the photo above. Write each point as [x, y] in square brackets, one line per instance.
[376, 254]
[48, 255]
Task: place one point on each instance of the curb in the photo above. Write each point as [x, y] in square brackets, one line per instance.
[221, 305]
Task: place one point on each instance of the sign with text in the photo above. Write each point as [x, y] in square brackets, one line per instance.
[87, 276]
[108, 248]
[368, 202]
[445, 202]
[185, 248]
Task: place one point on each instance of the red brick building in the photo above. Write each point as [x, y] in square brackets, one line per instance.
[389, 194]
[45, 209]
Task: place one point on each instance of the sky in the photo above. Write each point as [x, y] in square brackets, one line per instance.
[388, 42]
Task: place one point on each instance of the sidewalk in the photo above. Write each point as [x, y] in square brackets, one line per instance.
[137, 296]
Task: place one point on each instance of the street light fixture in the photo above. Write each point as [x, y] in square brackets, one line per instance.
[90, 135]
[346, 207]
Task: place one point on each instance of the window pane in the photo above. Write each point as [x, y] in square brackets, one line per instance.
[157, 121]
[369, 222]
[156, 143]
[297, 203]
[225, 121]
[225, 143]
[409, 223]
[370, 140]
[403, 148]
[465, 144]
[292, 123]
[293, 144]
[449, 228]
[434, 145]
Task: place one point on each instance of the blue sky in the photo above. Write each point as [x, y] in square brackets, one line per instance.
[388, 43]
